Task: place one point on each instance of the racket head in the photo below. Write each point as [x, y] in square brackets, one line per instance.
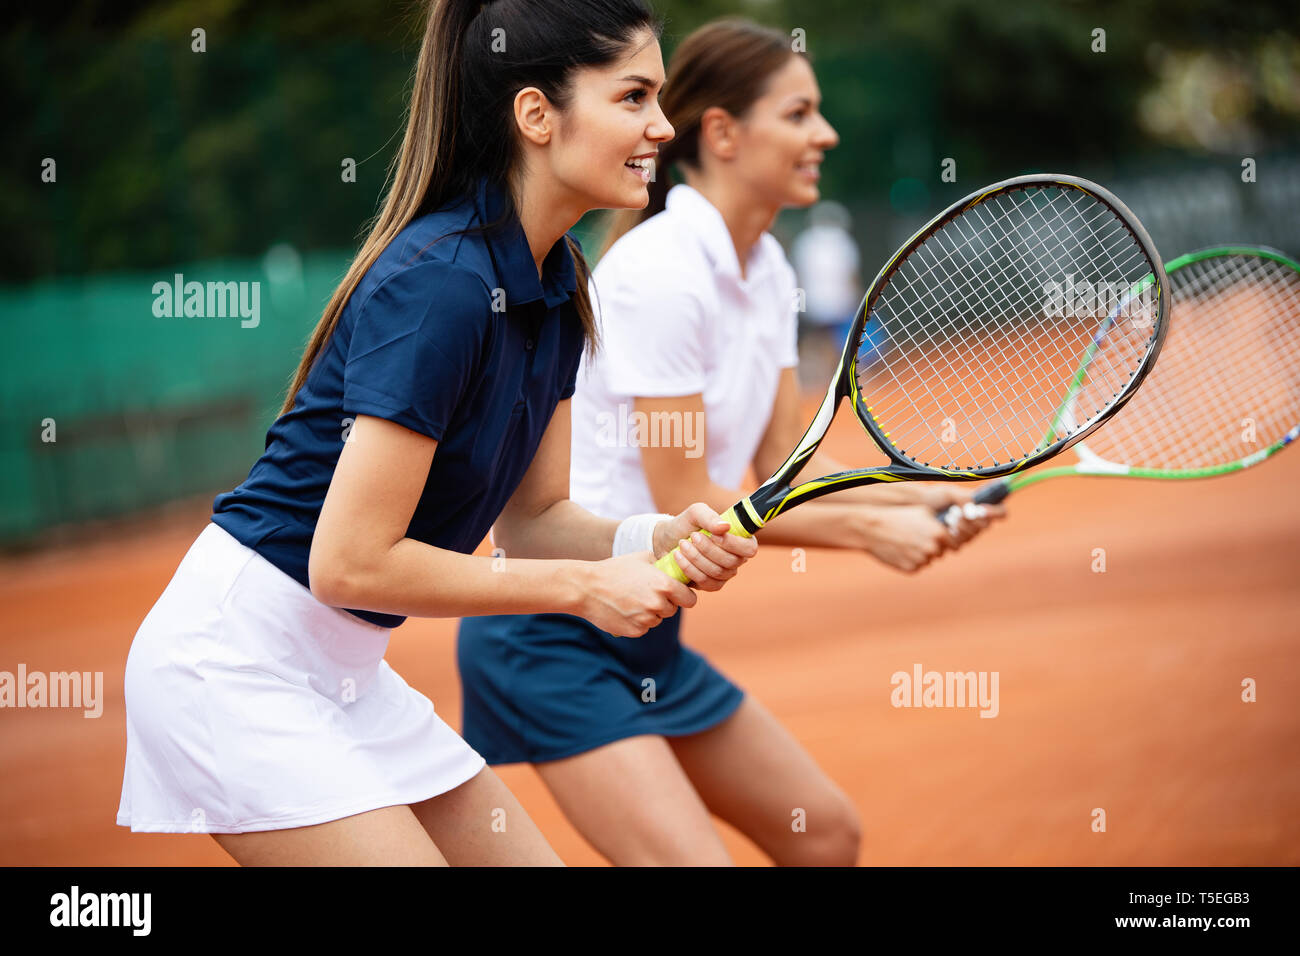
[1030, 297]
[1226, 392]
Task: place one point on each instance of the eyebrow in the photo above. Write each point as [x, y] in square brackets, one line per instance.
[643, 80]
[799, 101]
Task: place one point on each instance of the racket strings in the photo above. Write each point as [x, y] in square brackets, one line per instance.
[1043, 371]
[988, 375]
[1249, 383]
[1054, 337]
[973, 372]
[1229, 389]
[1105, 364]
[1055, 399]
[1227, 384]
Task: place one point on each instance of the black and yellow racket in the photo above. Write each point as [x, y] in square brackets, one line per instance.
[1226, 392]
[1007, 329]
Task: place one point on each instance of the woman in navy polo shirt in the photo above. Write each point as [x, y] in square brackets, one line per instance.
[431, 403]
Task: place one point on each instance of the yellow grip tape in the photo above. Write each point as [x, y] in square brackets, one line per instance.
[668, 563]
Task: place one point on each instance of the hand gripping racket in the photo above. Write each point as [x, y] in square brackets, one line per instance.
[965, 352]
[1226, 392]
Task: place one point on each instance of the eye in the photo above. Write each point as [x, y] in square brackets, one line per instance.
[636, 96]
[798, 116]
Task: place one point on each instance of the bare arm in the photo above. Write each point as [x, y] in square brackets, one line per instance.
[361, 557]
[541, 521]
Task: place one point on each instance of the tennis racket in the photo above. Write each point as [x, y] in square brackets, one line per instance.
[1226, 392]
[970, 368]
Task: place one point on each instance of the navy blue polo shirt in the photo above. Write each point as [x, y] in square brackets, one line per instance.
[449, 334]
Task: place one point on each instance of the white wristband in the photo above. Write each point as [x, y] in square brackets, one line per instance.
[637, 533]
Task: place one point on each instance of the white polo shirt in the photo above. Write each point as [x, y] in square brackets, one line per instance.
[677, 319]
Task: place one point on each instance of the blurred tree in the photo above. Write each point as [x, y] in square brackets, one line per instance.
[164, 154]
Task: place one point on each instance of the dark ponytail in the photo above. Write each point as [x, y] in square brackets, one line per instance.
[725, 63]
[473, 59]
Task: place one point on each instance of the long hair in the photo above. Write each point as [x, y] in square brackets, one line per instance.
[474, 58]
[725, 63]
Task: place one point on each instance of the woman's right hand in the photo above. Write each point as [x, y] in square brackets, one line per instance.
[908, 537]
[628, 595]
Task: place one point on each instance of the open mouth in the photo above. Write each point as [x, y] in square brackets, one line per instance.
[642, 166]
[810, 170]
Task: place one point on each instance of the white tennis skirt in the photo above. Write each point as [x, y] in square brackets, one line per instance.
[250, 705]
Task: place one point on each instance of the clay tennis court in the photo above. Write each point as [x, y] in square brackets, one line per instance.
[1119, 690]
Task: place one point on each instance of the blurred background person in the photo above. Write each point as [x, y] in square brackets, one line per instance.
[826, 260]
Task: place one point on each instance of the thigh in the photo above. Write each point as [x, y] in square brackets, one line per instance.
[631, 800]
[751, 772]
[480, 823]
[388, 836]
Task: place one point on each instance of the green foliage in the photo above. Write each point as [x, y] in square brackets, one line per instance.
[165, 154]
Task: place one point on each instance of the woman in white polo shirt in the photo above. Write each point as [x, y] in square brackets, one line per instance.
[639, 740]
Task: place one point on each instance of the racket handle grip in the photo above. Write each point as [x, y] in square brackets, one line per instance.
[991, 494]
[994, 493]
[668, 563]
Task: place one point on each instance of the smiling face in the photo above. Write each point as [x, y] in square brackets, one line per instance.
[782, 139]
[610, 130]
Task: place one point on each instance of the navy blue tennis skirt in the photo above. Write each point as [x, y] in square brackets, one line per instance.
[539, 687]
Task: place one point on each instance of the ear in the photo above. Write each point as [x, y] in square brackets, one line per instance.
[718, 133]
[533, 115]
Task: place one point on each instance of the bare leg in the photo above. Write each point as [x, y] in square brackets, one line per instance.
[752, 773]
[480, 823]
[388, 836]
[633, 803]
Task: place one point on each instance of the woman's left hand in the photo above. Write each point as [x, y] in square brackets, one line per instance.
[708, 560]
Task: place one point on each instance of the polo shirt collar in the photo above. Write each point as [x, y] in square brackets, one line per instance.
[707, 224]
[516, 269]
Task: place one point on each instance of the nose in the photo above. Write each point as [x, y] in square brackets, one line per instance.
[825, 136]
[659, 130]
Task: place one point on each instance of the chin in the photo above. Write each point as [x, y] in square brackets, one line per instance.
[634, 199]
[801, 197]
[808, 194]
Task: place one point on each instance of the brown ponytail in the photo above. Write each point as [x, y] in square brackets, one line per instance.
[725, 63]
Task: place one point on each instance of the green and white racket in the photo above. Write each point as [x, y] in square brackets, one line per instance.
[1225, 393]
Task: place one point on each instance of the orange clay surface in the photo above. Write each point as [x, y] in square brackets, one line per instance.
[1119, 690]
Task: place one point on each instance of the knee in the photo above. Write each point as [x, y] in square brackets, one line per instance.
[832, 836]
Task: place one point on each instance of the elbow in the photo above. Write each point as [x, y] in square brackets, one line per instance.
[328, 580]
[505, 538]
[325, 588]
[517, 534]
[673, 504]
[675, 500]
[666, 497]
[674, 489]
